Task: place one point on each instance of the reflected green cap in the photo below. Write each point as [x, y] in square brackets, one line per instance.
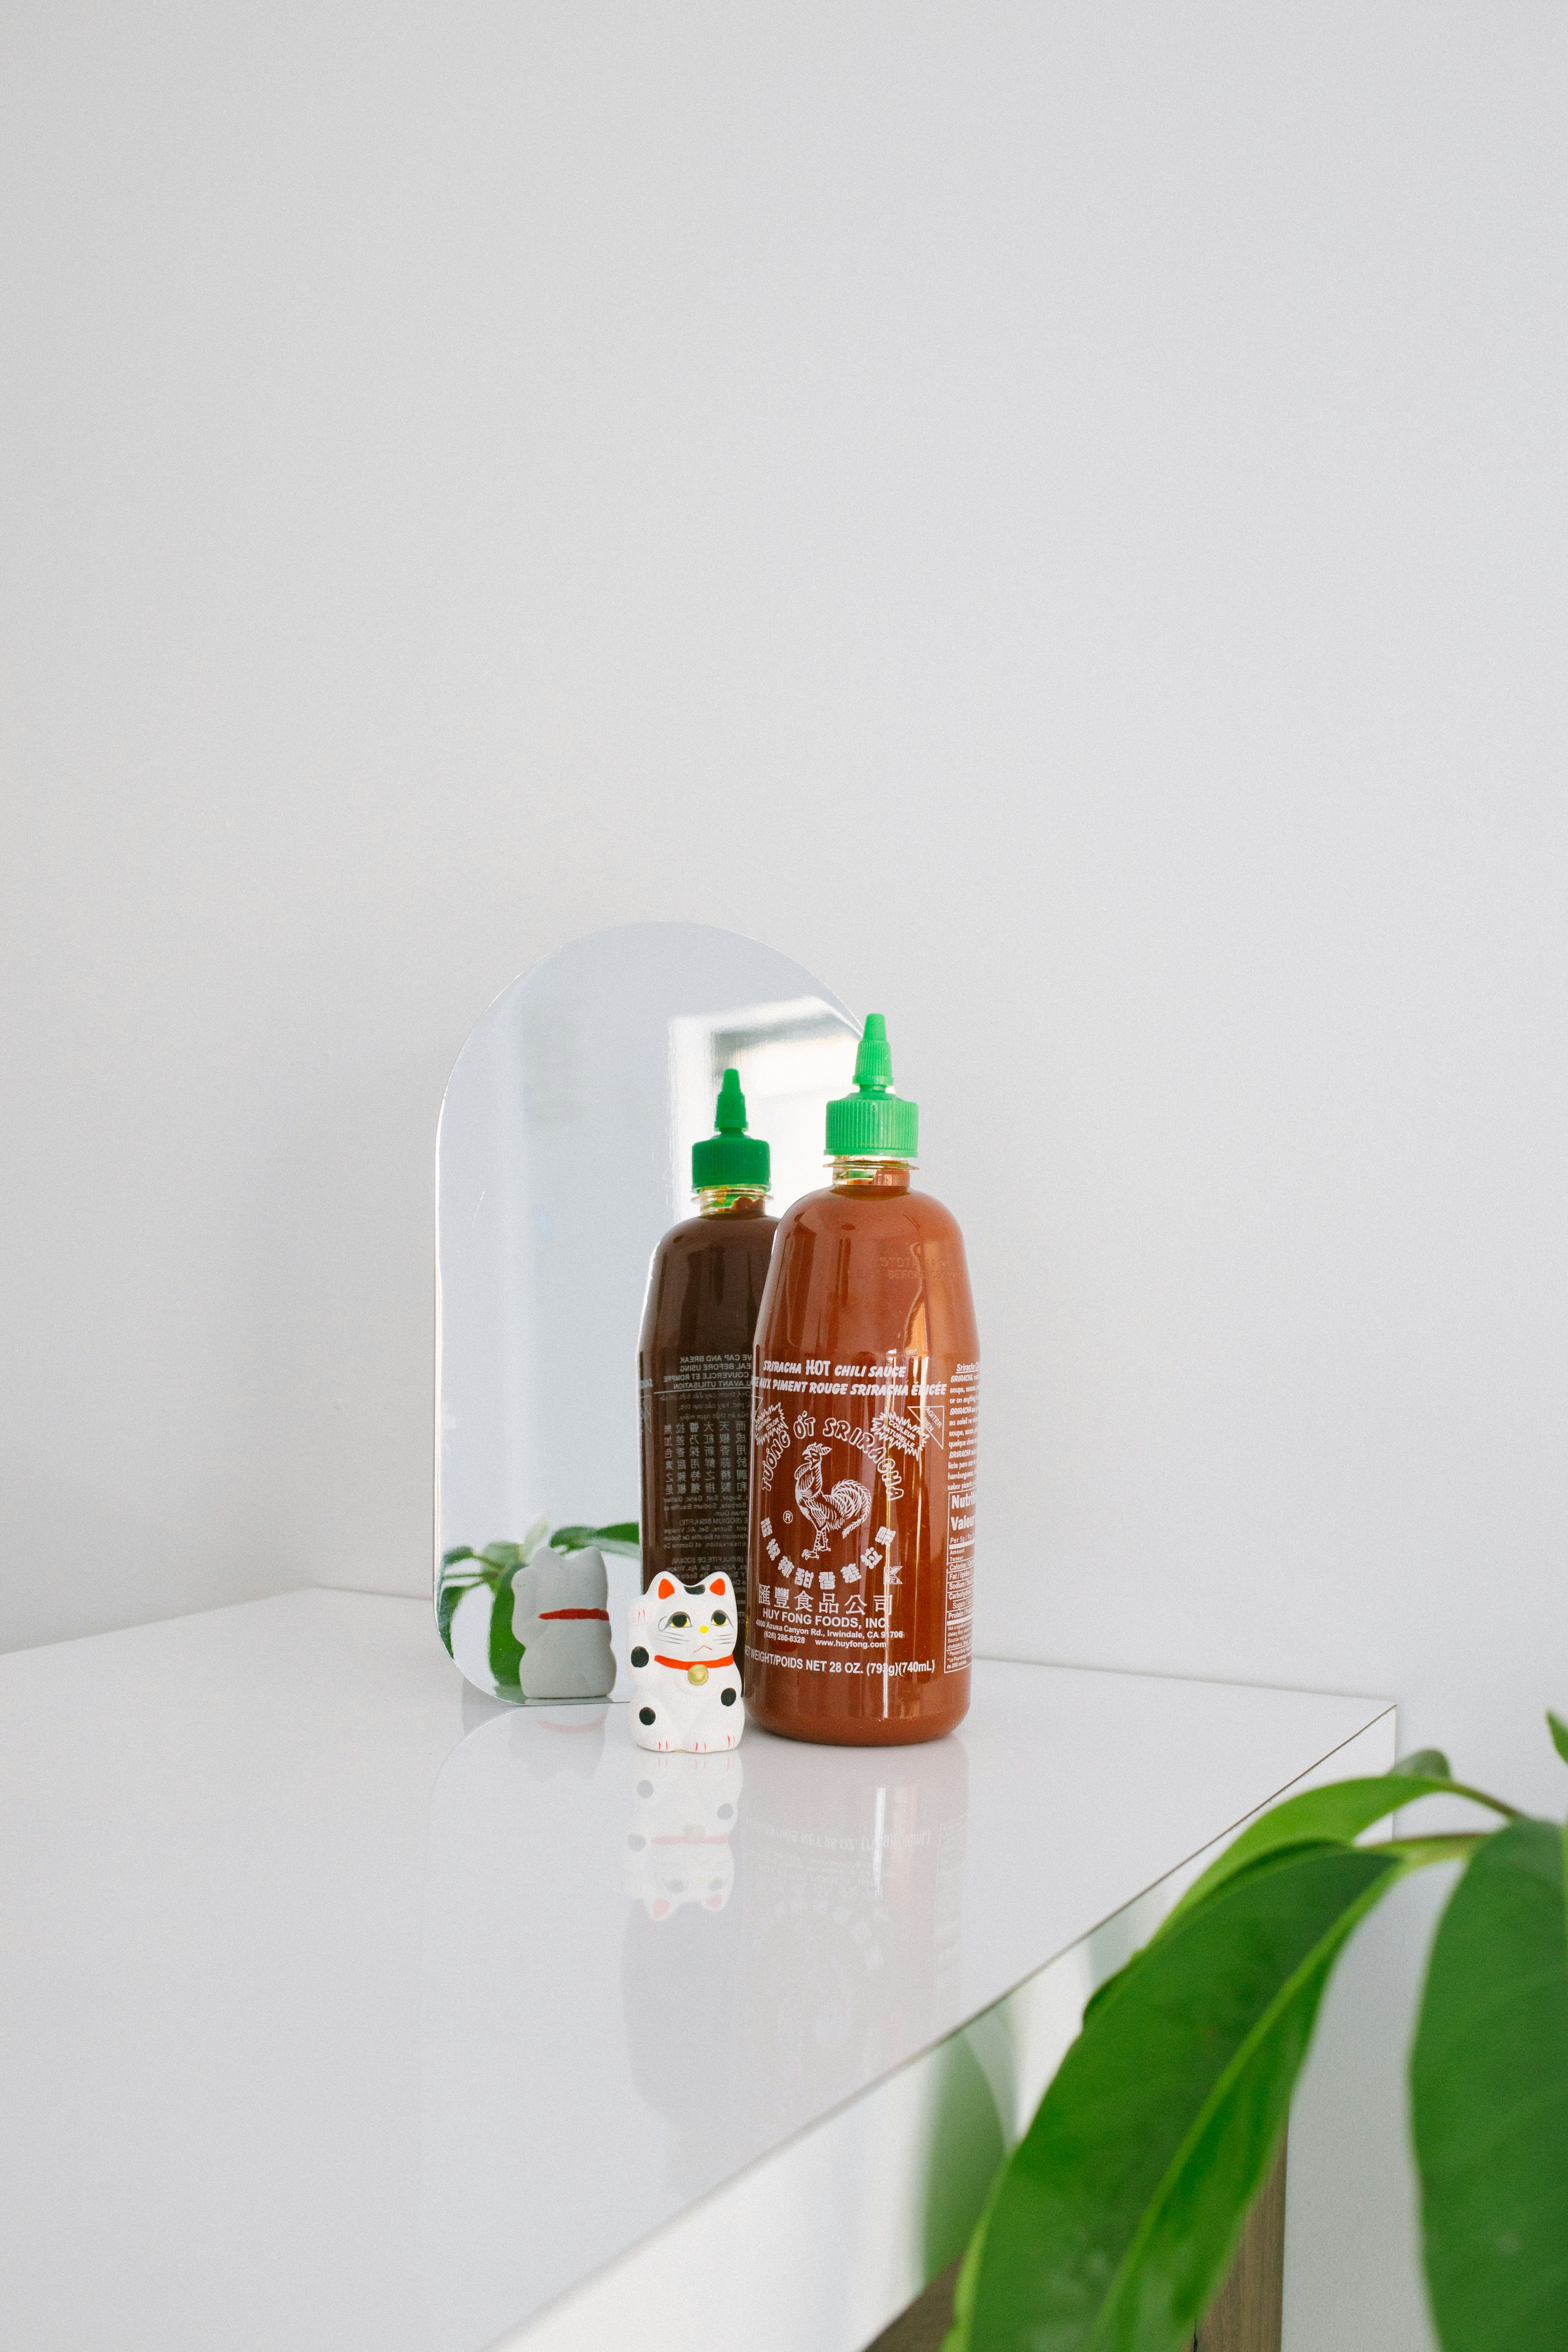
[873, 1123]
[730, 1157]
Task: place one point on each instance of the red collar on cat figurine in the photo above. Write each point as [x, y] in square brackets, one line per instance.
[684, 1665]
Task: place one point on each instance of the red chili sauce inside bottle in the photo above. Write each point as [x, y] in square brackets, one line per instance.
[864, 1397]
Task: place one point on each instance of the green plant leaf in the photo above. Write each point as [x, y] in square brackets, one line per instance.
[537, 1535]
[501, 1555]
[1559, 1730]
[958, 2337]
[1488, 2082]
[463, 1551]
[452, 1592]
[621, 1538]
[1333, 1816]
[1112, 2226]
[506, 1649]
[1427, 1763]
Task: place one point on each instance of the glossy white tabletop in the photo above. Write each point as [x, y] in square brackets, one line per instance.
[334, 2016]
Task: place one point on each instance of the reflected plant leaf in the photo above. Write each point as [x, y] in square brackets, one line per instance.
[506, 1649]
[622, 1536]
[497, 1566]
[452, 1591]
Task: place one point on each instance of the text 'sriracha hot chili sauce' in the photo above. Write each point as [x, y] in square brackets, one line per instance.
[694, 1359]
[863, 1444]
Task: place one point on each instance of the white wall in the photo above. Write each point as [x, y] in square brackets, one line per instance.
[1055, 515]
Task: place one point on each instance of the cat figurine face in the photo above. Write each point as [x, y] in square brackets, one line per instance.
[677, 1847]
[686, 1685]
[559, 1616]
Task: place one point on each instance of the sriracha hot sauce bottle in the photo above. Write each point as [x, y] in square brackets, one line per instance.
[694, 1360]
[863, 1436]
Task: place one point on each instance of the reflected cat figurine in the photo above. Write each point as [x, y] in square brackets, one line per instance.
[686, 1685]
[558, 1613]
[678, 1848]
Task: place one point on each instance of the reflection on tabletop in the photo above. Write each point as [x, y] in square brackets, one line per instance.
[641, 1971]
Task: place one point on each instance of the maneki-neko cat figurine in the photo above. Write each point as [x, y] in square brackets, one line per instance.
[686, 1685]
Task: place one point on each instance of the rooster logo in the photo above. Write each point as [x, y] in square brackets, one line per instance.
[848, 1506]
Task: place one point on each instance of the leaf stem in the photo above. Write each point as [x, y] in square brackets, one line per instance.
[1479, 1797]
[1420, 1850]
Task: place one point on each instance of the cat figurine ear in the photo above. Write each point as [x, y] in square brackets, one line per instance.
[686, 1685]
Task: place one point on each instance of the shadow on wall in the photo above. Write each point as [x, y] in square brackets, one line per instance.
[78, 1565]
[338, 1336]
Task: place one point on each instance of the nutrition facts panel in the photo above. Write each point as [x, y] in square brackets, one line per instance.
[701, 1407]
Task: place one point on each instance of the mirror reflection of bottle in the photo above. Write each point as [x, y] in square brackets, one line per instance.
[865, 1401]
[694, 1360]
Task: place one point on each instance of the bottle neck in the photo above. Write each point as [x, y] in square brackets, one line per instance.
[858, 1174]
[731, 1200]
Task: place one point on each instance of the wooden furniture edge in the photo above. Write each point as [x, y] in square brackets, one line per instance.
[1246, 2315]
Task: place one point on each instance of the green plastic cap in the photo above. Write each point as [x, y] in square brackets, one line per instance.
[873, 1123]
[730, 1157]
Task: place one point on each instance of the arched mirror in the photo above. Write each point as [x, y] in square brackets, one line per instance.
[564, 1155]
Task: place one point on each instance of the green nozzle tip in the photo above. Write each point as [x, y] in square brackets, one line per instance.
[873, 1123]
[730, 1157]
[874, 1060]
[730, 1115]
